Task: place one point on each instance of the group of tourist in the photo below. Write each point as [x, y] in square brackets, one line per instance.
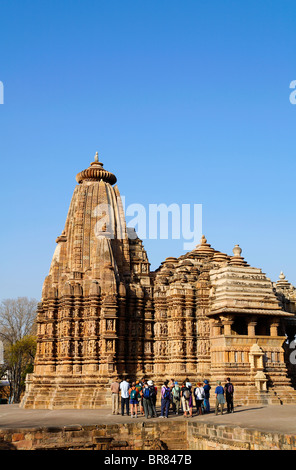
[139, 398]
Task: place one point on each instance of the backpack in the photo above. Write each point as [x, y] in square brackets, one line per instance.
[133, 394]
[167, 393]
[152, 391]
[176, 392]
[186, 393]
[146, 392]
[199, 393]
[229, 388]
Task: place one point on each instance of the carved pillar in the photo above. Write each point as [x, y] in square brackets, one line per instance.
[40, 356]
[176, 352]
[251, 326]
[122, 326]
[274, 328]
[77, 314]
[160, 331]
[92, 329]
[50, 309]
[140, 332]
[65, 325]
[108, 366]
[148, 337]
[131, 334]
[216, 327]
[191, 359]
[203, 324]
[227, 322]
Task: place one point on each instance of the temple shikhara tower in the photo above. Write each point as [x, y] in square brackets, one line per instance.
[104, 315]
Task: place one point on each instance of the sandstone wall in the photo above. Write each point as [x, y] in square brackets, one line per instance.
[185, 435]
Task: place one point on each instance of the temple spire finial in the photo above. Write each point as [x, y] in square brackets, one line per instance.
[96, 172]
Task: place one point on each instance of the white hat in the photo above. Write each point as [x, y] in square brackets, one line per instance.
[150, 382]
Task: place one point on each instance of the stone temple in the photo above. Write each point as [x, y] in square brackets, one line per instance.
[104, 315]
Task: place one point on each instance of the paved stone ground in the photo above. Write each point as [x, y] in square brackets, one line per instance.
[264, 418]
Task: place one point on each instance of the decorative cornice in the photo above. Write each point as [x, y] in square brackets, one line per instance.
[250, 311]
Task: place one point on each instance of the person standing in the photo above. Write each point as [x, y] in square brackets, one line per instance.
[145, 393]
[220, 400]
[133, 395]
[115, 396]
[139, 387]
[199, 397]
[124, 389]
[171, 384]
[165, 400]
[186, 398]
[153, 394]
[207, 389]
[176, 395]
[229, 389]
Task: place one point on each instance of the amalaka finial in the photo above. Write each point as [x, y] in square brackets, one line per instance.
[96, 172]
[204, 248]
[237, 251]
[203, 240]
[237, 259]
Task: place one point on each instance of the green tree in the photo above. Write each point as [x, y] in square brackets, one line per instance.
[17, 330]
[19, 358]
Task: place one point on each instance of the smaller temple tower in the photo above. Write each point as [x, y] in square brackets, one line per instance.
[248, 331]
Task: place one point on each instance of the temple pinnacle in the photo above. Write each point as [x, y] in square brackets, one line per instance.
[96, 172]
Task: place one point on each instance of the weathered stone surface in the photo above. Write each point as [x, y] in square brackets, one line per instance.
[104, 315]
[188, 435]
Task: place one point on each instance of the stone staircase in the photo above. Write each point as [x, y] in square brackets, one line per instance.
[274, 396]
[67, 397]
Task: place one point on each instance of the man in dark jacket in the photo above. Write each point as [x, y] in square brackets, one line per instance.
[207, 389]
[229, 389]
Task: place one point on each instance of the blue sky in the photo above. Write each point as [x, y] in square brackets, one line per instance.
[186, 102]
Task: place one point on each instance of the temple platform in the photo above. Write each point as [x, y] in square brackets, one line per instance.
[248, 428]
[264, 418]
